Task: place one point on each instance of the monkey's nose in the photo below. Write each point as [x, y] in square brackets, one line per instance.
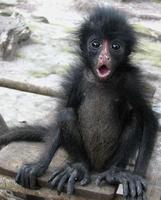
[108, 58]
[104, 58]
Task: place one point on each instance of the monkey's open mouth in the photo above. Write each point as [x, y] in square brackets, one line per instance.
[103, 72]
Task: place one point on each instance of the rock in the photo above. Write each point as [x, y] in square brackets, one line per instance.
[5, 3]
[40, 19]
[12, 31]
[84, 5]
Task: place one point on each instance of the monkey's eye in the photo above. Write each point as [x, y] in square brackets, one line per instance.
[116, 46]
[95, 44]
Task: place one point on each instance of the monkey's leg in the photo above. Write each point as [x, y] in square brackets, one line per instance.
[77, 170]
[134, 186]
[27, 175]
[147, 143]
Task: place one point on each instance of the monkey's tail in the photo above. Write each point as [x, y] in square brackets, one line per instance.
[27, 133]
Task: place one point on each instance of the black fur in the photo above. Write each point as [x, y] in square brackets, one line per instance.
[104, 122]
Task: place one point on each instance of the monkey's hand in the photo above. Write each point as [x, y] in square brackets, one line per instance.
[69, 173]
[27, 175]
[134, 186]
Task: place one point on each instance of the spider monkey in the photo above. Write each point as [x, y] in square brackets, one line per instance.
[107, 118]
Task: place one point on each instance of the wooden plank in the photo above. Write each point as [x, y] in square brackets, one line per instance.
[154, 168]
[154, 171]
[12, 31]
[8, 183]
[154, 192]
[15, 154]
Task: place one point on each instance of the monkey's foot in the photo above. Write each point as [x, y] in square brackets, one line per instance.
[27, 175]
[70, 173]
[134, 186]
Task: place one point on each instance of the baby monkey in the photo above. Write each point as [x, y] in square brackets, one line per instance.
[107, 118]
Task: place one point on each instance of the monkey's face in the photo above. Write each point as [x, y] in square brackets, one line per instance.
[104, 56]
[106, 40]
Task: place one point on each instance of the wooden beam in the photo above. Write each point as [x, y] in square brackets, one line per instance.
[11, 159]
[27, 87]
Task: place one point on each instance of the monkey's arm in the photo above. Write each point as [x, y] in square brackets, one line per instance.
[77, 168]
[140, 131]
[128, 142]
[133, 185]
[149, 125]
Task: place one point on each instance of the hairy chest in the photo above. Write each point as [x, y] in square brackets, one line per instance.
[100, 125]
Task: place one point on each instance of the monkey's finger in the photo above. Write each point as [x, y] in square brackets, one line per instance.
[58, 171]
[125, 189]
[132, 188]
[33, 178]
[144, 184]
[26, 177]
[56, 180]
[139, 187]
[111, 179]
[85, 180]
[62, 183]
[18, 177]
[142, 196]
[71, 182]
[100, 178]
[22, 179]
